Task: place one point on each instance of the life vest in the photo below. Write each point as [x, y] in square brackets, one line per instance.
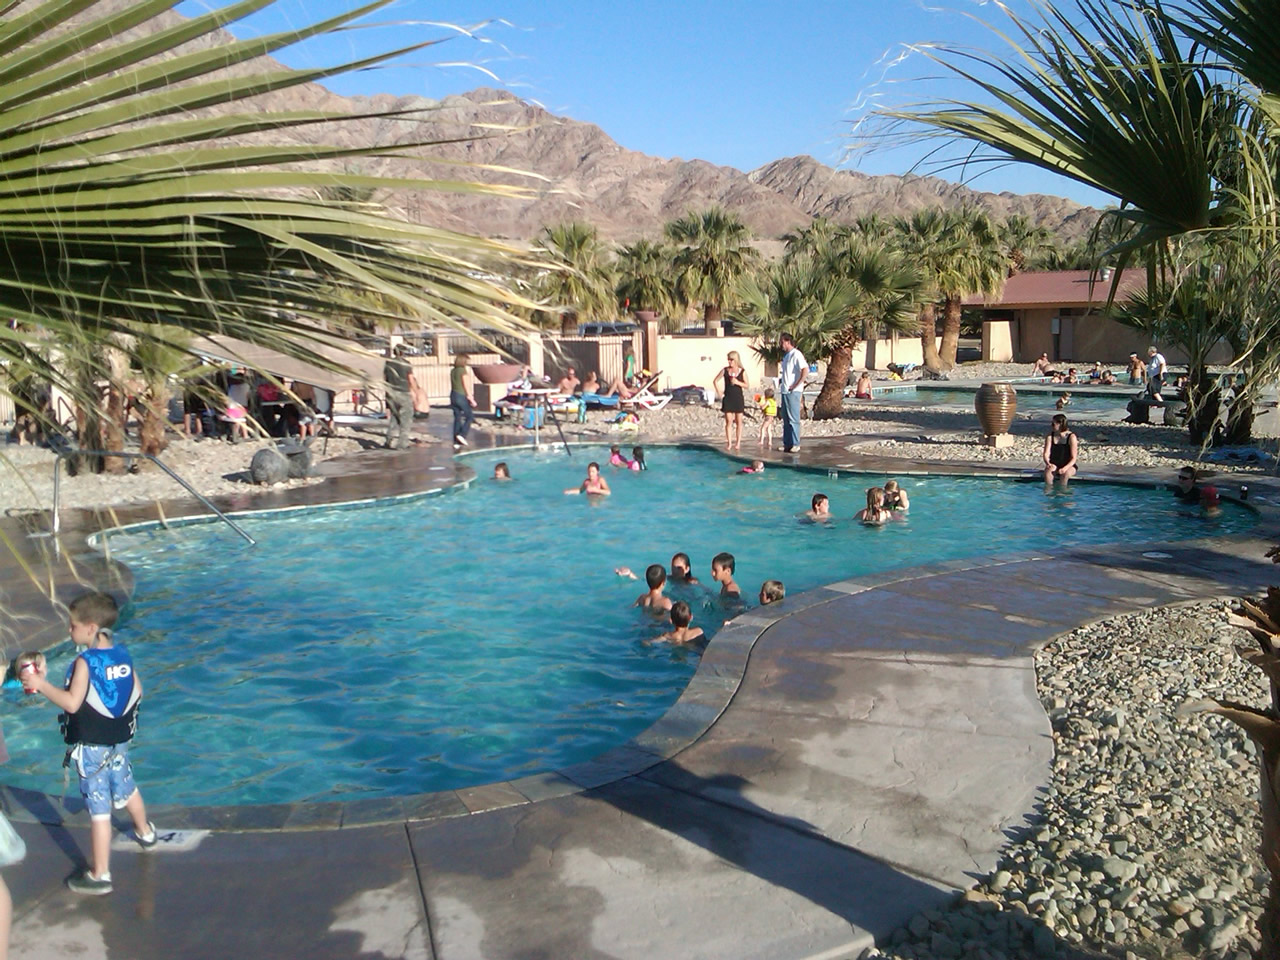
[109, 714]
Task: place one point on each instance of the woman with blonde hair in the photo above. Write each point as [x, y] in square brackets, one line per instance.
[732, 381]
[461, 399]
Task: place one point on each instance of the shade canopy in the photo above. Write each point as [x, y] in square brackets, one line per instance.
[363, 367]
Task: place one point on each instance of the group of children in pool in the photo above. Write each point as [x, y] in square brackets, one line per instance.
[884, 505]
[655, 600]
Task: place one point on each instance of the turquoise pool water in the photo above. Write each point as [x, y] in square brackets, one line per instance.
[1027, 400]
[481, 635]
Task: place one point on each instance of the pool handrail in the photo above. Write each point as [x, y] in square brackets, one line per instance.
[66, 449]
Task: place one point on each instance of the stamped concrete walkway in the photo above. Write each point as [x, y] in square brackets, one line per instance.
[835, 767]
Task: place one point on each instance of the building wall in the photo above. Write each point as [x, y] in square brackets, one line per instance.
[694, 360]
[998, 338]
[1035, 334]
[1088, 338]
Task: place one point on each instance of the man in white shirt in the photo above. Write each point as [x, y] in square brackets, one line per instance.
[1156, 367]
[790, 391]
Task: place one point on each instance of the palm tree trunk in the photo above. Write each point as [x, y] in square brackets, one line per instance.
[950, 332]
[928, 334]
[830, 402]
[711, 319]
[113, 423]
[568, 324]
[154, 417]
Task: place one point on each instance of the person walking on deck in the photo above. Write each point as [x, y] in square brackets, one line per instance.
[400, 387]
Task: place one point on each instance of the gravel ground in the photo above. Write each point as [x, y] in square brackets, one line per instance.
[211, 466]
[1149, 841]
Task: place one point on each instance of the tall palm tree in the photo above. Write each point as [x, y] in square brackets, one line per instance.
[579, 278]
[141, 190]
[818, 233]
[645, 277]
[924, 239]
[827, 300]
[885, 291]
[713, 254]
[959, 254]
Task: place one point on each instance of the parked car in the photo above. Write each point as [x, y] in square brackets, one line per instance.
[606, 329]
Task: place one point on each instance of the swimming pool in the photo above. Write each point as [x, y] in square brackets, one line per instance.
[1028, 400]
[460, 639]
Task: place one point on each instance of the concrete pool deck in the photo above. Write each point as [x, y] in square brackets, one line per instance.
[845, 761]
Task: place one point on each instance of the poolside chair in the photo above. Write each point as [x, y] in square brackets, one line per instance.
[646, 399]
[600, 400]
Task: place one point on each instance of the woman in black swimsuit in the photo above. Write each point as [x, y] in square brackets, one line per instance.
[1060, 452]
[732, 380]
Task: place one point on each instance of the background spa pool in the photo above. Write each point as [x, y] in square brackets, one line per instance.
[482, 635]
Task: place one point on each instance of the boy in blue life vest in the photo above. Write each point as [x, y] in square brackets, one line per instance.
[100, 707]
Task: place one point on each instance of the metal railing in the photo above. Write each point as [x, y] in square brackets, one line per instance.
[63, 451]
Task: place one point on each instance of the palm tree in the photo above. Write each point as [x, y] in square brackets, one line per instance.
[127, 206]
[644, 277]
[1026, 245]
[885, 291]
[578, 280]
[1171, 109]
[827, 301]
[819, 233]
[713, 254]
[924, 240]
[959, 254]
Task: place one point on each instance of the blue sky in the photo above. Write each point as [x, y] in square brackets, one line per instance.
[736, 83]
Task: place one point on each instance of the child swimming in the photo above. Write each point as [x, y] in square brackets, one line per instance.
[616, 459]
[681, 631]
[501, 472]
[771, 591]
[895, 498]
[653, 598]
[594, 484]
[875, 513]
[722, 567]
[637, 459]
[819, 509]
[757, 466]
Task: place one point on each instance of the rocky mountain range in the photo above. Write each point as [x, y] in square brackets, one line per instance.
[627, 194]
[581, 173]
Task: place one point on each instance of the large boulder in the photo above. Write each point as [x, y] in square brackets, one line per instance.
[269, 466]
[299, 462]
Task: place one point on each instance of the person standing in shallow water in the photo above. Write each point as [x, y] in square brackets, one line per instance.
[460, 399]
[400, 386]
[791, 390]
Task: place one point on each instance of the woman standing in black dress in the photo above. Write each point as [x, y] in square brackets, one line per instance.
[732, 380]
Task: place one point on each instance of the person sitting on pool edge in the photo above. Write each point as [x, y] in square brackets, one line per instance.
[722, 567]
[895, 498]
[771, 591]
[655, 575]
[681, 632]
[1061, 451]
[819, 509]
[594, 485]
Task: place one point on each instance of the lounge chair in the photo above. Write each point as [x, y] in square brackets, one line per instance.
[646, 399]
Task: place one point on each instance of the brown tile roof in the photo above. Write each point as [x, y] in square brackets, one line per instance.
[1061, 288]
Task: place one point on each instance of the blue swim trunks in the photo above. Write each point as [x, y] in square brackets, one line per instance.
[106, 777]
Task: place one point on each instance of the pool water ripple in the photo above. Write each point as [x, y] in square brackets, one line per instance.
[451, 641]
